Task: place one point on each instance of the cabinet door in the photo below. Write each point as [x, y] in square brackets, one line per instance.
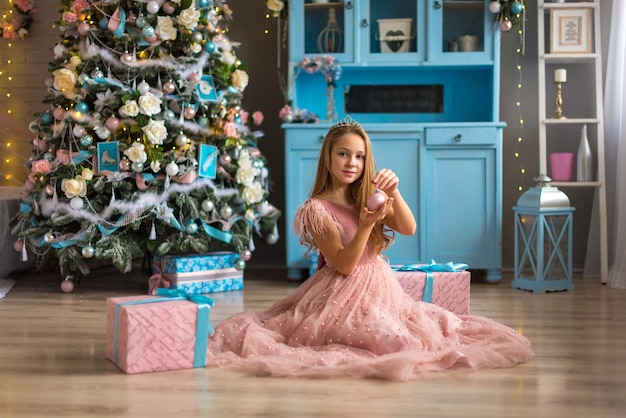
[301, 155]
[460, 32]
[392, 31]
[321, 27]
[399, 152]
[461, 205]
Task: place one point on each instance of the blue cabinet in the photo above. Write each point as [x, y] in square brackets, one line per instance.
[422, 77]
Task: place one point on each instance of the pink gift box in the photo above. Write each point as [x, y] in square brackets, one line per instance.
[450, 290]
[150, 334]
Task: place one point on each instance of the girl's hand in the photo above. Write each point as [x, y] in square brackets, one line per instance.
[371, 217]
[387, 181]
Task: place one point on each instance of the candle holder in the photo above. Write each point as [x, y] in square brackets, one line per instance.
[558, 113]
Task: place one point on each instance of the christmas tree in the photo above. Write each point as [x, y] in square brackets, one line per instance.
[145, 149]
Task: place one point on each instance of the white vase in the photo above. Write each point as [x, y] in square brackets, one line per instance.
[584, 161]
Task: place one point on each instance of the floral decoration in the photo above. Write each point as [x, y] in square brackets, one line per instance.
[13, 26]
[325, 64]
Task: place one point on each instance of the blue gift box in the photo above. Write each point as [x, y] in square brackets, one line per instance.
[198, 273]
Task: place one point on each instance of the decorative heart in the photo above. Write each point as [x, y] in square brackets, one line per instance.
[395, 44]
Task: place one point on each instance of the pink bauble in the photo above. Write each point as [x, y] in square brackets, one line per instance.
[124, 165]
[67, 286]
[83, 28]
[189, 113]
[194, 77]
[127, 58]
[375, 200]
[58, 113]
[18, 245]
[112, 123]
[41, 144]
[49, 189]
[169, 87]
[168, 8]
[506, 25]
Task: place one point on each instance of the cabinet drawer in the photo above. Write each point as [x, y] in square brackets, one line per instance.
[482, 135]
[305, 139]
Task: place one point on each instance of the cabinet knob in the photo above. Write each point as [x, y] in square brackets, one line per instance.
[457, 138]
[364, 23]
[437, 4]
[349, 5]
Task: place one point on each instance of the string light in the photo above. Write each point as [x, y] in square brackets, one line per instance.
[518, 104]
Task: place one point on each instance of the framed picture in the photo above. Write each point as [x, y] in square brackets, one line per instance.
[571, 31]
[108, 156]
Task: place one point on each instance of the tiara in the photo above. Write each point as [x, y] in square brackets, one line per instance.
[347, 121]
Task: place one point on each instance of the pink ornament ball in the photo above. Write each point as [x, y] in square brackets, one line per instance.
[168, 8]
[189, 113]
[67, 286]
[169, 87]
[194, 77]
[58, 113]
[124, 165]
[376, 200]
[83, 28]
[18, 245]
[112, 123]
[506, 25]
[49, 189]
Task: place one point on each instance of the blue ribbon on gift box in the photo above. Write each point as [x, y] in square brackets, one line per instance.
[203, 324]
[429, 269]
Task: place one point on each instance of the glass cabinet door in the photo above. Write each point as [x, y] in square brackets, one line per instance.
[392, 31]
[322, 27]
[460, 32]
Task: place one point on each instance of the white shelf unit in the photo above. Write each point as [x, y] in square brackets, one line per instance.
[548, 124]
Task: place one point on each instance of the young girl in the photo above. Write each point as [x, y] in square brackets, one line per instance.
[352, 318]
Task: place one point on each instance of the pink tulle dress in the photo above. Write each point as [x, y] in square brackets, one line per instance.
[362, 325]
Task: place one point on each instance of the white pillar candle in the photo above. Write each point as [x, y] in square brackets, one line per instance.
[560, 75]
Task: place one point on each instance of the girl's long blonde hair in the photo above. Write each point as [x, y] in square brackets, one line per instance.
[359, 190]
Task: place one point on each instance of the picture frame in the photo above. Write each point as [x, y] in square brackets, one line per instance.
[108, 156]
[571, 31]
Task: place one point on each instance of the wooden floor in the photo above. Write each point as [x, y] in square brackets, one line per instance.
[53, 361]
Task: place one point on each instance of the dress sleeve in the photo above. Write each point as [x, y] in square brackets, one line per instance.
[311, 218]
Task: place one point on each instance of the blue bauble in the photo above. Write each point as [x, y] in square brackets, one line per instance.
[169, 115]
[103, 23]
[191, 226]
[517, 7]
[82, 107]
[140, 22]
[46, 118]
[203, 121]
[86, 140]
[209, 47]
[237, 119]
[202, 4]
[147, 31]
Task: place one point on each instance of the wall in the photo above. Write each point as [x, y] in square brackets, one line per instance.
[264, 57]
